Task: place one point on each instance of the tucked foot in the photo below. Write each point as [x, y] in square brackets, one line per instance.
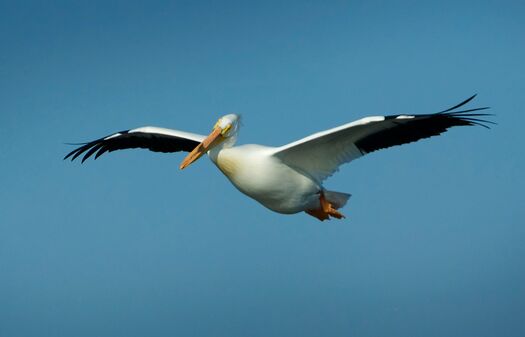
[318, 213]
[325, 211]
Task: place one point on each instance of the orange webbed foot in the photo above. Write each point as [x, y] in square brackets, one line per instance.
[325, 211]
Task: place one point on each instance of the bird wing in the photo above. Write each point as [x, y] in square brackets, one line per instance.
[149, 137]
[321, 154]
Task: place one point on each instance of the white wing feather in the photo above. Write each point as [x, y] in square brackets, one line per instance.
[320, 155]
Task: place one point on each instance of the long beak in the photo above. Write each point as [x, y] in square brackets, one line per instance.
[213, 139]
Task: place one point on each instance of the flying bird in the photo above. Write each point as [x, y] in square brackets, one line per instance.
[288, 179]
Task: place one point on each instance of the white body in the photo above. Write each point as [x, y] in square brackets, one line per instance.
[254, 171]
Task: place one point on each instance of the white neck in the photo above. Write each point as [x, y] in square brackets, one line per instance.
[227, 143]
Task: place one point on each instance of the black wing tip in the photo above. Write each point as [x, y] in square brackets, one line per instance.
[92, 146]
[76, 144]
[71, 154]
[80, 150]
[477, 122]
[460, 104]
[469, 116]
[471, 119]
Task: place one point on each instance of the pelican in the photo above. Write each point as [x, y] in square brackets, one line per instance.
[288, 179]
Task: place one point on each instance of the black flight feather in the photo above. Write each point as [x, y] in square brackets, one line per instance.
[415, 127]
[156, 142]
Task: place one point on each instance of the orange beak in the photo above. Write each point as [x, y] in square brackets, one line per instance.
[214, 138]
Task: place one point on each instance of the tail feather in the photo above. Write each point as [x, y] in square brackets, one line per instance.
[337, 199]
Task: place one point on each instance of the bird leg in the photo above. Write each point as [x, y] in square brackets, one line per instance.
[325, 211]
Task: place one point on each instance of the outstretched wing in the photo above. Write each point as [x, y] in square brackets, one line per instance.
[321, 154]
[148, 137]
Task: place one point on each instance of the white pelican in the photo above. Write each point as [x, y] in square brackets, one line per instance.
[288, 179]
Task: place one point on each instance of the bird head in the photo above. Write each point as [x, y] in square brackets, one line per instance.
[224, 133]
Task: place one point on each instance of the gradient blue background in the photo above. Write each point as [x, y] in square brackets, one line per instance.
[129, 246]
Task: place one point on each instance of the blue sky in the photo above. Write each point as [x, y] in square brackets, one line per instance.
[130, 246]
